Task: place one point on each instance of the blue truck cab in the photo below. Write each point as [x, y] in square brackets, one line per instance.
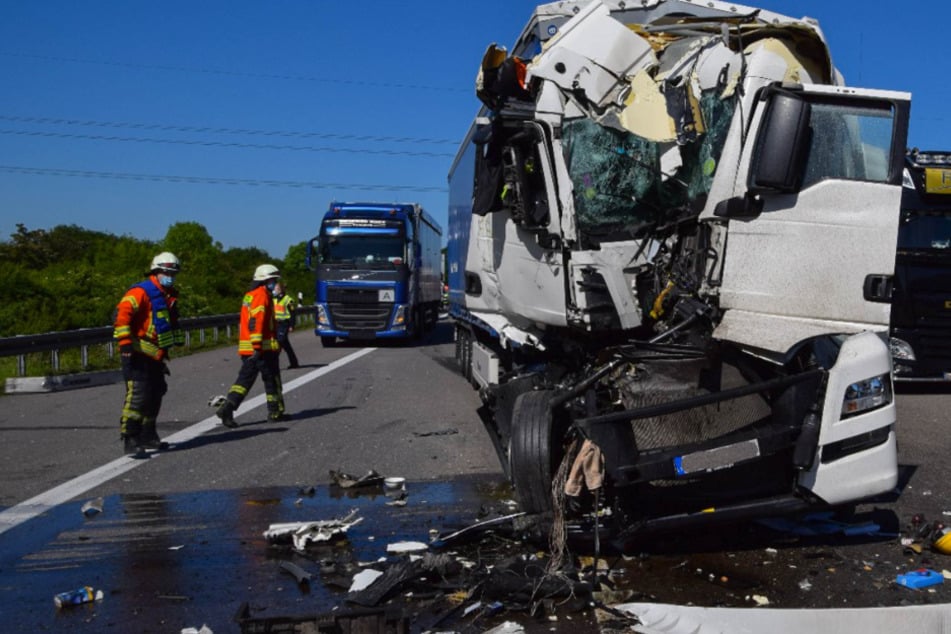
[377, 269]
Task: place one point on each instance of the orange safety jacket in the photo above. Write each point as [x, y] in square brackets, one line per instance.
[258, 329]
[148, 333]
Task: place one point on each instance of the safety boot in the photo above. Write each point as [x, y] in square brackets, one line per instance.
[226, 414]
[149, 438]
[132, 447]
[275, 417]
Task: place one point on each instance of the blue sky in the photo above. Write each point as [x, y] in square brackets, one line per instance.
[250, 117]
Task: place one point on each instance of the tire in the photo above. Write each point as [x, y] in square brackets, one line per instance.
[534, 451]
[328, 342]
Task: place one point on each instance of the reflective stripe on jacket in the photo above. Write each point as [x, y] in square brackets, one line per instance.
[258, 328]
[138, 326]
[284, 309]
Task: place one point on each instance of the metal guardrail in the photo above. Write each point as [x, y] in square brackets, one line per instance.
[83, 338]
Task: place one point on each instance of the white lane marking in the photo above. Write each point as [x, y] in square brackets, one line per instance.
[48, 500]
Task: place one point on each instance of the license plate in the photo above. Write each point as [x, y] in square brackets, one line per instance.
[715, 459]
[937, 180]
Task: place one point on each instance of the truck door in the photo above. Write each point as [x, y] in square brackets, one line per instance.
[813, 250]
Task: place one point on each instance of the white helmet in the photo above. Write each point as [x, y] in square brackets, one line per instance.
[266, 272]
[166, 262]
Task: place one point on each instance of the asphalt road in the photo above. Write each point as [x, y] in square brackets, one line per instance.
[179, 540]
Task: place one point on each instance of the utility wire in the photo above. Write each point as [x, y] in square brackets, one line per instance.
[208, 180]
[220, 144]
[218, 71]
[213, 130]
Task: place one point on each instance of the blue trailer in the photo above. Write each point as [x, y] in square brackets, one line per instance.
[377, 271]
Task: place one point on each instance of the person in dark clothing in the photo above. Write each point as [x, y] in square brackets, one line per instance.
[284, 314]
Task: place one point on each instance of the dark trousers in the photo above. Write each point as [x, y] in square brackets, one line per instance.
[267, 364]
[283, 338]
[144, 388]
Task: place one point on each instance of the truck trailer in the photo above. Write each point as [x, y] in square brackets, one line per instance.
[921, 299]
[671, 249]
[378, 269]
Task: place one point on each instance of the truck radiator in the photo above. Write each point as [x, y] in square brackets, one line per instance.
[358, 309]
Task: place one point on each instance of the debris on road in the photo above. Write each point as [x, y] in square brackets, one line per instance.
[303, 533]
[301, 575]
[92, 507]
[406, 547]
[921, 578]
[77, 597]
[347, 481]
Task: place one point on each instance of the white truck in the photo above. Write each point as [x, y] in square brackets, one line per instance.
[670, 256]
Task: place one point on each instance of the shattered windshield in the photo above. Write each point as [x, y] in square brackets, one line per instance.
[365, 246]
[618, 179]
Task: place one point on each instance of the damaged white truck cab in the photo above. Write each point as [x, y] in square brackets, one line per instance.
[672, 236]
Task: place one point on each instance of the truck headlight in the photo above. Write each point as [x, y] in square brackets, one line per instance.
[901, 350]
[399, 317]
[323, 321]
[866, 395]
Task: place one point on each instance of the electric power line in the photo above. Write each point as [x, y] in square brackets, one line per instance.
[218, 130]
[219, 144]
[217, 71]
[208, 180]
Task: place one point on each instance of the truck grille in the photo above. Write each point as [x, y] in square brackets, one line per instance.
[934, 349]
[355, 316]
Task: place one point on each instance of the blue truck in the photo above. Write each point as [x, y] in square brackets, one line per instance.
[377, 271]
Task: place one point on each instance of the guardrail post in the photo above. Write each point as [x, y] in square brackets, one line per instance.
[84, 356]
[21, 365]
[54, 359]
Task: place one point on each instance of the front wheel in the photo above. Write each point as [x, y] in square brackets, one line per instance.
[328, 342]
[534, 450]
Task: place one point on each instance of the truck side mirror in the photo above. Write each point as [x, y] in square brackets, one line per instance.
[781, 145]
[307, 258]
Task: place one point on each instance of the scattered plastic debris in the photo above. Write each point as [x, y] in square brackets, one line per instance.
[364, 579]
[805, 585]
[406, 547]
[394, 483]
[77, 597]
[303, 533]
[217, 400]
[92, 507]
[508, 627]
[203, 630]
[760, 600]
[441, 540]
[347, 481]
[301, 575]
[921, 578]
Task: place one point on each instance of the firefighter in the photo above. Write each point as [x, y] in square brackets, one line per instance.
[258, 348]
[146, 327]
[284, 314]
